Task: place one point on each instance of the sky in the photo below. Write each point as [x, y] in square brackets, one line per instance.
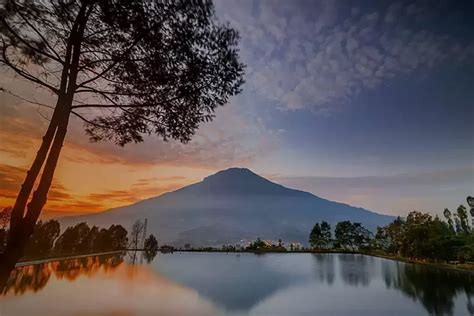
[369, 103]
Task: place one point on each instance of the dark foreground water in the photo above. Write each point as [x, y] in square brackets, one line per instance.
[230, 284]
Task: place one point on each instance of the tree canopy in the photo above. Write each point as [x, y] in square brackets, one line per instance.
[148, 67]
[351, 236]
[126, 68]
[423, 236]
[320, 236]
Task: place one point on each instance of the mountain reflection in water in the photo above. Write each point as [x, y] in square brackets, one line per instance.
[229, 284]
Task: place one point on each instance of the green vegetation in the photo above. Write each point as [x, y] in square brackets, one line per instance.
[348, 237]
[47, 240]
[420, 237]
[151, 244]
[159, 67]
[263, 246]
[320, 236]
[150, 248]
[351, 236]
[81, 239]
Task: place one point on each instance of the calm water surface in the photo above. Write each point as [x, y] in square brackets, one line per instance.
[230, 284]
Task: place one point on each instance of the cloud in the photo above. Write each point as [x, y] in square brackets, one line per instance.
[10, 181]
[61, 199]
[393, 194]
[233, 138]
[319, 55]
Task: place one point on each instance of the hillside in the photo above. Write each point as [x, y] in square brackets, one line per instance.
[231, 205]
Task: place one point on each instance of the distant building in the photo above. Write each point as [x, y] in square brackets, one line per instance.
[293, 246]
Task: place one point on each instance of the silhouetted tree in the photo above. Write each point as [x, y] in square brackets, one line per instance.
[447, 215]
[320, 236]
[463, 218]
[315, 236]
[151, 244]
[416, 230]
[74, 239]
[390, 237]
[150, 67]
[99, 240]
[119, 238]
[41, 242]
[151, 248]
[342, 234]
[351, 235]
[80, 239]
[326, 234]
[424, 237]
[136, 234]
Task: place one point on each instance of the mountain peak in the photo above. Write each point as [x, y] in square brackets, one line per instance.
[239, 181]
[233, 173]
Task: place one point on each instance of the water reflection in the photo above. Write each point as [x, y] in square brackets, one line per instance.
[149, 255]
[234, 283]
[435, 289]
[356, 269]
[220, 284]
[324, 267]
[35, 277]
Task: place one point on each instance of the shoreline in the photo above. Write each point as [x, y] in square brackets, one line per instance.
[462, 267]
[469, 268]
[51, 259]
[445, 266]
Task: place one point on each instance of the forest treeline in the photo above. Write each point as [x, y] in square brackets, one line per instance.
[419, 236]
[48, 241]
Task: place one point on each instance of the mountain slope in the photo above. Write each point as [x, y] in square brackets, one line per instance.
[231, 205]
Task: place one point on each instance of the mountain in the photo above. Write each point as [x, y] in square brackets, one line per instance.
[231, 205]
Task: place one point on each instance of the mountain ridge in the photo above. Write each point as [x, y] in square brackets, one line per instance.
[238, 200]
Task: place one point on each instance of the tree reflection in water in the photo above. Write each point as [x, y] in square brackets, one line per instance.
[356, 269]
[35, 277]
[436, 289]
[149, 255]
[324, 267]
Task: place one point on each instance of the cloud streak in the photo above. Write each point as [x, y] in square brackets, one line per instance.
[394, 194]
[62, 200]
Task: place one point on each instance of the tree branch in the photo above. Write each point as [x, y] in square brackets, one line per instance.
[82, 106]
[111, 66]
[88, 89]
[58, 58]
[23, 73]
[11, 30]
[25, 99]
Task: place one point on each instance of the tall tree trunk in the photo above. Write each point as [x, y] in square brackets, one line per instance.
[53, 142]
[32, 175]
[17, 241]
[24, 228]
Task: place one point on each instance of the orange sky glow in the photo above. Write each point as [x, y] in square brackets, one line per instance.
[90, 177]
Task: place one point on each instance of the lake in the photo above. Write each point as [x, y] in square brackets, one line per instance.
[185, 283]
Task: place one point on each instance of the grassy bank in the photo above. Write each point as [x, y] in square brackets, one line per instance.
[451, 266]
